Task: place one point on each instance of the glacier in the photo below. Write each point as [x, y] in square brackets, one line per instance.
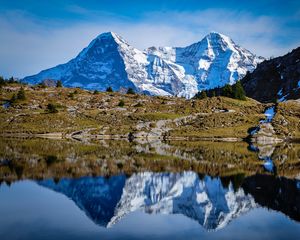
[110, 61]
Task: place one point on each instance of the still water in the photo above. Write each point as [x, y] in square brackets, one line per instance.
[114, 190]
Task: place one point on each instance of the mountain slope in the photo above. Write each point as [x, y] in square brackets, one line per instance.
[278, 78]
[110, 61]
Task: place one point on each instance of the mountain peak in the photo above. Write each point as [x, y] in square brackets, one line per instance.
[111, 36]
[107, 35]
[215, 34]
[218, 38]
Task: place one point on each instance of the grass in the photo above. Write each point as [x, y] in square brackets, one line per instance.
[100, 111]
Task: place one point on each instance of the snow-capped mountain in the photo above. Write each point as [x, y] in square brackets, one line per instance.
[205, 201]
[110, 61]
[106, 201]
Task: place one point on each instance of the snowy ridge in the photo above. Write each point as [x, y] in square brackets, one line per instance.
[110, 61]
[205, 201]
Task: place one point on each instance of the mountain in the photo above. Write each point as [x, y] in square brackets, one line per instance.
[107, 200]
[277, 78]
[206, 201]
[110, 61]
[97, 197]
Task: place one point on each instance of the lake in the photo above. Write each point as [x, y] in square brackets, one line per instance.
[59, 189]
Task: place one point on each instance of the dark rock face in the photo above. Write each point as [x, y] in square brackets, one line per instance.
[278, 78]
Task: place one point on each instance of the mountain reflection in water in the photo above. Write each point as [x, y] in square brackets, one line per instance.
[212, 202]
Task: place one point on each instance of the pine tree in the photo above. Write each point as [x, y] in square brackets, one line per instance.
[203, 95]
[227, 91]
[109, 89]
[58, 83]
[238, 91]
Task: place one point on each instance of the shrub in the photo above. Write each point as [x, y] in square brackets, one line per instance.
[138, 104]
[21, 94]
[96, 92]
[121, 103]
[51, 108]
[71, 95]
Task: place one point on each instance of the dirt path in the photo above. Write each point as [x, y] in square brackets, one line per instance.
[159, 129]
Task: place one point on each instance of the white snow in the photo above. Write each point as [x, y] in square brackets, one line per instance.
[206, 201]
[170, 71]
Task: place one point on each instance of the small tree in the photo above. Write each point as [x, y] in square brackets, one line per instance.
[130, 91]
[238, 91]
[109, 89]
[51, 108]
[213, 94]
[121, 103]
[96, 92]
[58, 84]
[21, 94]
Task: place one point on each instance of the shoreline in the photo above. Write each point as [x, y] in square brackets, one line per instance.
[62, 136]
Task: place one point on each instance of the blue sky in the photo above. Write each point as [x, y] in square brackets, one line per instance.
[35, 35]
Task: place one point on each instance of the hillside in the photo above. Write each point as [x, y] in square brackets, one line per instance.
[275, 79]
[80, 113]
